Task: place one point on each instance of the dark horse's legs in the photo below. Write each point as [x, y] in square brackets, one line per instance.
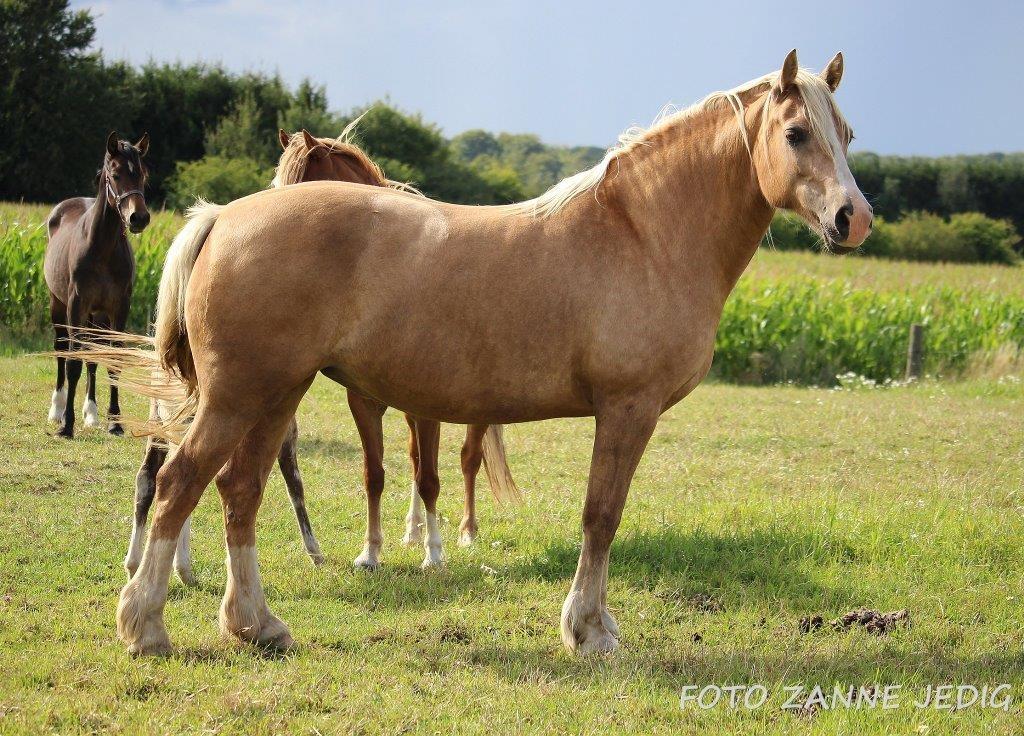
[145, 487]
[287, 460]
[73, 368]
[60, 345]
[114, 408]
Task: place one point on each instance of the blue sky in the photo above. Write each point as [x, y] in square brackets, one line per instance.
[921, 77]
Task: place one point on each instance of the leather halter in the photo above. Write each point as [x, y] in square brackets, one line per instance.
[118, 198]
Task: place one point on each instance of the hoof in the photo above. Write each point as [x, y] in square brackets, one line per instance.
[116, 429]
[366, 561]
[185, 576]
[276, 637]
[66, 431]
[317, 558]
[433, 560]
[153, 646]
[131, 567]
[467, 534]
[413, 536]
[602, 643]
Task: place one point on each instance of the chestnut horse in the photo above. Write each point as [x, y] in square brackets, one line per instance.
[307, 158]
[600, 298]
[90, 270]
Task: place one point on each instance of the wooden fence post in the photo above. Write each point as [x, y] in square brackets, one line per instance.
[915, 352]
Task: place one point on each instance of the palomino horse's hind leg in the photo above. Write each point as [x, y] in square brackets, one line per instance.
[244, 612]
[288, 462]
[210, 441]
[428, 436]
[623, 429]
[472, 456]
[368, 414]
[414, 521]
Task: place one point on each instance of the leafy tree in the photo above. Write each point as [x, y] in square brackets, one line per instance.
[239, 134]
[216, 179]
[57, 101]
[308, 110]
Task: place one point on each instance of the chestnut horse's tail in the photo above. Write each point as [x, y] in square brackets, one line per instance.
[503, 486]
[171, 339]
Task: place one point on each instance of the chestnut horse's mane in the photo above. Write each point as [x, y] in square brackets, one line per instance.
[822, 112]
[291, 167]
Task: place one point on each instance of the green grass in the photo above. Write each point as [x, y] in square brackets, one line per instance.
[752, 507]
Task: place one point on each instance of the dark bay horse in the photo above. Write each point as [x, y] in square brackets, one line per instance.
[90, 270]
[600, 298]
[307, 158]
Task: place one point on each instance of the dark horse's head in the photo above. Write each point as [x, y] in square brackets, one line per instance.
[122, 179]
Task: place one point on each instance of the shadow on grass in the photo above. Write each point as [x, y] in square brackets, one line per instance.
[761, 564]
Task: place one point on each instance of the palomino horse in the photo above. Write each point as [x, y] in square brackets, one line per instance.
[600, 298]
[306, 158]
[90, 270]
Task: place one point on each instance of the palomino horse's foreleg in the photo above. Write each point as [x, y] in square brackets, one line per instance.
[472, 456]
[145, 488]
[213, 436]
[428, 437]
[623, 428]
[288, 462]
[244, 612]
[414, 519]
[368, 415]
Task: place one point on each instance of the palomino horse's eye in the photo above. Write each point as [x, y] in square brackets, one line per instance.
[796, 136]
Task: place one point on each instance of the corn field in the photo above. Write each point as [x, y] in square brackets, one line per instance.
[795, 317]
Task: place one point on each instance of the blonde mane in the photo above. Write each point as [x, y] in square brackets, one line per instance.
[291, 167]
[821, 109]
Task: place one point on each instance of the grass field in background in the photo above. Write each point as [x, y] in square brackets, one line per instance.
[752, 508]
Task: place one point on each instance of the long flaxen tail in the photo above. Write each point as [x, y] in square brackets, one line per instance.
[171, 339]
[499, 477]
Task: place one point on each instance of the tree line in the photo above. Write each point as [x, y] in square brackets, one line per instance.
[214, 134]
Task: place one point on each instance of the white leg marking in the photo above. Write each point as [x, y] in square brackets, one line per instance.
[90, 413]
[433, 556]
[244, 612]
[183, 554]
[414, 519]
[135, 547]
[58, 402]
[140, 611]
[369, 558]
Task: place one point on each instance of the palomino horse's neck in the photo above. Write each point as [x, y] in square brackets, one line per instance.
[105, 224]
[690, 192]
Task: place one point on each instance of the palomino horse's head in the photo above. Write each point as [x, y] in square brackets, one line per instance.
[123, 177]
[800, 155]
[307, 158]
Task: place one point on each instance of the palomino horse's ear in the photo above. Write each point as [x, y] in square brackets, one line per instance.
[833, 73]
[112, 143]
[283, 137]
[787, 77]
[143, 144]
[312, 144]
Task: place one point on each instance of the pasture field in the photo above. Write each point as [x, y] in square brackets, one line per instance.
[754, 507]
